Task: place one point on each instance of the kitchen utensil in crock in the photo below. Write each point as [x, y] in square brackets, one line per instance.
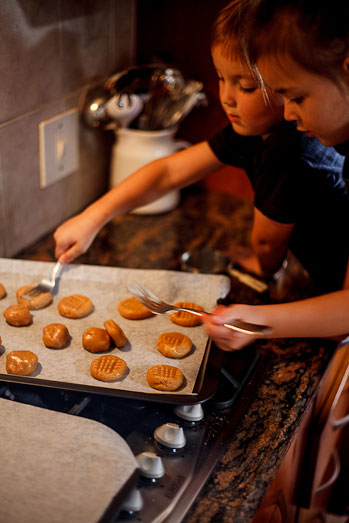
[164, 89]
[135, 79]
[124, 108]
[211, 261]
[190, 96]
[46, 285]
[93, 107]
[158, 306]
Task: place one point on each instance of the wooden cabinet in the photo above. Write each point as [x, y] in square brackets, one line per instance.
[301, 490]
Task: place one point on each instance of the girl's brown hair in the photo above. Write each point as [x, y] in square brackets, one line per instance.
[314, 33]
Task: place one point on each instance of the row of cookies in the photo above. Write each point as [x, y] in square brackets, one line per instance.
[74, 306]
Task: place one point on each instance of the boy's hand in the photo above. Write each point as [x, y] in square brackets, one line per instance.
[226, 339]
[73, 238]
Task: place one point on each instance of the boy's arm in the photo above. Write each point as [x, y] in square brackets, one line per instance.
[269, 240]
[150, 182]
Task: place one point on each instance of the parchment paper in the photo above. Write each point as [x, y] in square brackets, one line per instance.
[106, 287]
[53, 462]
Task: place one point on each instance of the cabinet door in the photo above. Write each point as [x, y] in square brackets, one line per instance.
[321, 464]
[308, 471]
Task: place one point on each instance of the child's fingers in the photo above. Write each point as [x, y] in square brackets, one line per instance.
[226, 339]
[70, 254]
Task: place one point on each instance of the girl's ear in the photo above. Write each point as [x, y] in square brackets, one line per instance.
[346, 65]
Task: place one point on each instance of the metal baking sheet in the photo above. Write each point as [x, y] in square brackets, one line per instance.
[106, 287]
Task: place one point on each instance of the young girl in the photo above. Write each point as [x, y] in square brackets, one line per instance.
[293, 175]
[301, 48]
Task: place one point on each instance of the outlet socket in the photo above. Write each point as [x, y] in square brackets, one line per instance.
[59, 147]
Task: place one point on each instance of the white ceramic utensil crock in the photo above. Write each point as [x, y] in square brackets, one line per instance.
[134, 148]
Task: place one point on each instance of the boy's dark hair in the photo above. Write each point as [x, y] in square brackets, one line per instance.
[314, 33]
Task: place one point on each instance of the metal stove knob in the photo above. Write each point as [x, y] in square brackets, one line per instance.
[171, 435]
[150, 465]
[190, 412]
[133, 502]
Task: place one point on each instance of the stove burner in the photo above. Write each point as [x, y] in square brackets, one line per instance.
[187, 467]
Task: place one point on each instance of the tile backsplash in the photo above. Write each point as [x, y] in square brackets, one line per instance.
[50, 52]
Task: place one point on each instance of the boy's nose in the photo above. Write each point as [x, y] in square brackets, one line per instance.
[229, 99]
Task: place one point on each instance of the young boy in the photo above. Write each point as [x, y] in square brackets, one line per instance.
[299, 196]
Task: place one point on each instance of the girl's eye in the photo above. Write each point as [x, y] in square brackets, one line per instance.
[297, 100]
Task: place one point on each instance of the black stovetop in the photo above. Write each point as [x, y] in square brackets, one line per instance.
[187, 469]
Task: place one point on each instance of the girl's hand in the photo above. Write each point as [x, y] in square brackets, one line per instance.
[227, 339]
[74, 237]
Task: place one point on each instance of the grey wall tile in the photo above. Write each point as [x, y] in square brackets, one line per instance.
[123, 34]
[49, 52]
[85, 42]
[2, 215]
[29, 56]
[30, 211]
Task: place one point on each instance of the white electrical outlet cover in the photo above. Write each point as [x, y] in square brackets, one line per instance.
[59, 147]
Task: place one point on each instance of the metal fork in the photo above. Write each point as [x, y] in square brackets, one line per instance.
[158, 306]
[46, 285]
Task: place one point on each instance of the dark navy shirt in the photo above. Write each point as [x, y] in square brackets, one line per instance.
[297, 180]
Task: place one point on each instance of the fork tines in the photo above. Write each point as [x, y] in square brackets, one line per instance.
[142, 293]
[39, 289]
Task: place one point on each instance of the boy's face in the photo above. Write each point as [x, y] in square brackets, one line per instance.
[245, 104]
[319, 106]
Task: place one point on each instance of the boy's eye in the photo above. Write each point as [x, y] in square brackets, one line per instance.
[247, 89]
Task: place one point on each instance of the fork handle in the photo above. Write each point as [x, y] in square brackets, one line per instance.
[237, 325]
[57, 270]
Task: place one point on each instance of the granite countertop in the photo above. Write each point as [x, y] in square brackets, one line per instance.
[263, 436]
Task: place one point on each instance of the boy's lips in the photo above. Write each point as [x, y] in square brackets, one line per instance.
[233, 117]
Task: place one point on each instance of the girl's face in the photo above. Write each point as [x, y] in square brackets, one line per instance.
[319, 106]
[245, 104]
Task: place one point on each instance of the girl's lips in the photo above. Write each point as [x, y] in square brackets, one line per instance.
[308, 133]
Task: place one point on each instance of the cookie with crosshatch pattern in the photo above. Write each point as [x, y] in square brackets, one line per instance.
[108, 368]
[174, 344]
[132, 309]
[165, 377]
[75, 306]
[185, 318]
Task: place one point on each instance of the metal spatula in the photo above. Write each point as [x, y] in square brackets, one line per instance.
[46, 285]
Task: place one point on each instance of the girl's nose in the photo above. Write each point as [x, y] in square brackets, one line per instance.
[289, 112]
